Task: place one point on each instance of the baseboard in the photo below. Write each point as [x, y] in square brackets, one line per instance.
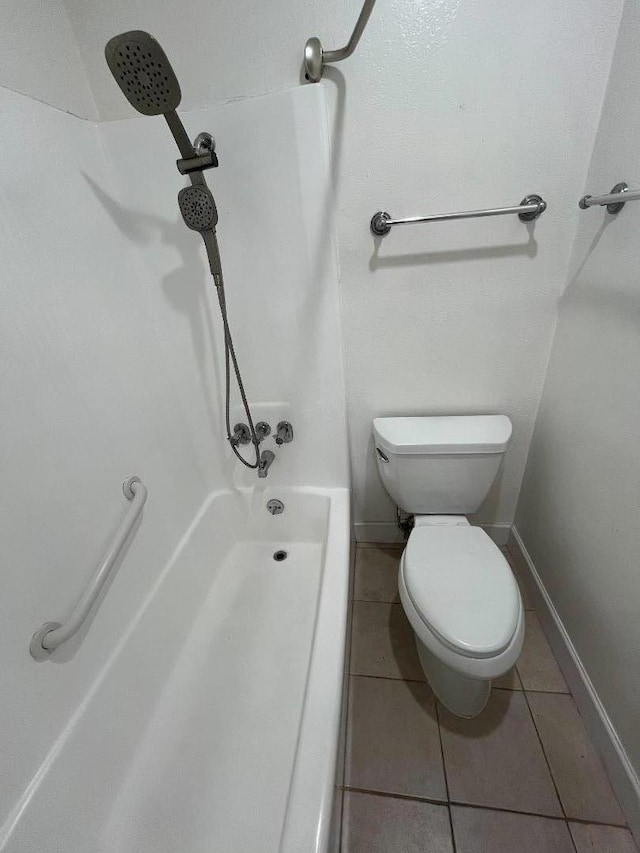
[622, 774]
[388, 531]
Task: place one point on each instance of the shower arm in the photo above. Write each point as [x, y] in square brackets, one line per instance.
[315, 58]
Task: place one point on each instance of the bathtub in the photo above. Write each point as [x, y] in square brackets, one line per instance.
[214, 725]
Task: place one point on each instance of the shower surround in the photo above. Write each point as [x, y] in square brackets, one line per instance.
[209, 672]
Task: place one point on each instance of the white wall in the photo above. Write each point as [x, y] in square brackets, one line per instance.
[99, 381]
[275, 232]
[580, 503]
[448, 105]
[40, 57]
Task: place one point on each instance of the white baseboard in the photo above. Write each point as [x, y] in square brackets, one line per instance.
[388, 531]
[622, 774]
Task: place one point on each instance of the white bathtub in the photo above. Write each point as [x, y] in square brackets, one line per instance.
[215, 724]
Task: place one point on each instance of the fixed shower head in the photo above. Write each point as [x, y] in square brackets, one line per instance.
[143, 72]
[198, 208]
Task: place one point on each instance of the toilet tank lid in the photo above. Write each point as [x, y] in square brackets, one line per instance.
[445, 434]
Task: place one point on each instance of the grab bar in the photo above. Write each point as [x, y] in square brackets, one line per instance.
[50, 635]
[611, 200]
[529, 209]
[315, 58]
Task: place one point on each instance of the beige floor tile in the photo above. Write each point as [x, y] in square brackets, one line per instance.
[537, 666]
[486, 831]
[393, 743]
[590, 838]
[578, 773]
[508, 681]
[374, 824]
[527, 598]
[383, 642]
[377, 573]
[496, 760]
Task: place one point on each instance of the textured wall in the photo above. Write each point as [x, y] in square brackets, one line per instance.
[99, 381]
[446, 105]
[40, 57]
[580, 503]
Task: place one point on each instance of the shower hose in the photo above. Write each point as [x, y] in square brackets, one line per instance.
[230, 359]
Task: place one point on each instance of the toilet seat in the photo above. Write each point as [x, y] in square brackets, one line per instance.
[462, 590]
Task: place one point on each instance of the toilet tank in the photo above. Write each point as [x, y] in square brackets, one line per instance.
[440, 465]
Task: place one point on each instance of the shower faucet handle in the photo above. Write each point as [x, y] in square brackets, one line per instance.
[241, 435]
[262, 430]
[284, 433]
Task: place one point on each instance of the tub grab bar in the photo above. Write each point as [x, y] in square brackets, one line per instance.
[50, 635]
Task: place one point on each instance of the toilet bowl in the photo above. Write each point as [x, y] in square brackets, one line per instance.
[464, 606]
[456, 587]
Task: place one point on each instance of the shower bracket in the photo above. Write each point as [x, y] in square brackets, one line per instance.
[204, 155]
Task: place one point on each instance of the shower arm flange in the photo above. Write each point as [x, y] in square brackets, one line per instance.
[315, 58]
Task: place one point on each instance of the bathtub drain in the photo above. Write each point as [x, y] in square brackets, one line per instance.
[279, 556]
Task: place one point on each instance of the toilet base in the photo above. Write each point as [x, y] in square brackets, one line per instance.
[460, 694]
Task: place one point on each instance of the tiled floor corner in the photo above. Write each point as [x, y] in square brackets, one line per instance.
[521, 776]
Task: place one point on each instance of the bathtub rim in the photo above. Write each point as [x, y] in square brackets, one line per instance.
[307, 823]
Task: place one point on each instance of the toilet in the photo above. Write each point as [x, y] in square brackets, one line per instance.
[456, 586]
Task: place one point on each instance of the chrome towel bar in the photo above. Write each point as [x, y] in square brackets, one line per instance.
[612, 199]
[315, 58]
[50, 635]
[529, 209]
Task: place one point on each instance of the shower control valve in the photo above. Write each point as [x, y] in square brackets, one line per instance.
[241, 435]
[284, 433]
[262, 430]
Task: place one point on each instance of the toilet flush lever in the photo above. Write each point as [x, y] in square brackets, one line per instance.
[381, 455]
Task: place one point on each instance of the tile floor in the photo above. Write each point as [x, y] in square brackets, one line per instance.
[522, 776]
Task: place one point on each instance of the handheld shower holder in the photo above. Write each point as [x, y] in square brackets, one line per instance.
[204, 155]
[197, 163]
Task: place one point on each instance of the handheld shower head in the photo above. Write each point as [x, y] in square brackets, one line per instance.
[198, 208]
[143, 72]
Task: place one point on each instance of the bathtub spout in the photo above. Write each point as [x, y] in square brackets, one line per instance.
[266, 460]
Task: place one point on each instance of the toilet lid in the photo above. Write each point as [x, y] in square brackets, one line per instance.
[463, 588]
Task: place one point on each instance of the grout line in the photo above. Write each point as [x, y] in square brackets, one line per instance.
[435, 802]
[391, 796]
[566, 820]
[389, 678]
[597, 823]
[508, 811]
[446, 778]
[424, 681]
[526, 690]
[553, 781]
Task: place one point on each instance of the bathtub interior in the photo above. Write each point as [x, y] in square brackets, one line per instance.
[188, 738]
